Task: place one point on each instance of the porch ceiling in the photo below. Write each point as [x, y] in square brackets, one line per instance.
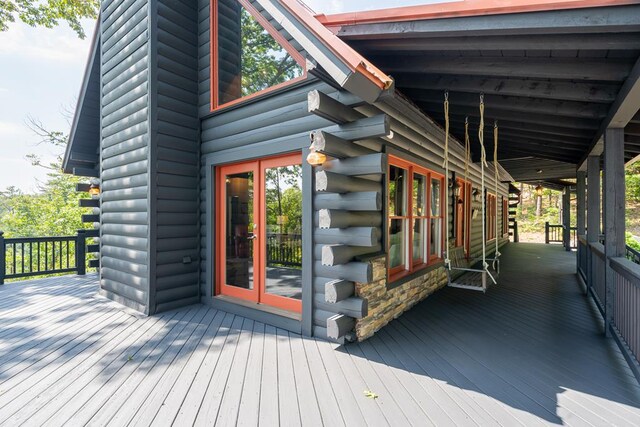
[550, 79]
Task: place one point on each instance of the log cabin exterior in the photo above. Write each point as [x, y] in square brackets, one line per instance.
[186, 151]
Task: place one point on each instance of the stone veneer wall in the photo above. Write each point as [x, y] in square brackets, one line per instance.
[387, 304]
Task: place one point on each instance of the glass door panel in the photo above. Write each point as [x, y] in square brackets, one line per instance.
[238, 231]
[282, 266]
[260, 227]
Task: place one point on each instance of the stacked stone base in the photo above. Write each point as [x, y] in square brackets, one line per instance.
[387, 304]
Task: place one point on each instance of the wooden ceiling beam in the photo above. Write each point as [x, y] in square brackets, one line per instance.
[495, 103]
[556, 131]
[612, 70]
[542, 89]
[607, 41]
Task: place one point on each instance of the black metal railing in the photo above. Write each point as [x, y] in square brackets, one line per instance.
[633, 255]
[284, 250]
[40, 256]
[553, 233]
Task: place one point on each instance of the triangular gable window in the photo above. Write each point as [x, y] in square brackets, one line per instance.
[249, 55]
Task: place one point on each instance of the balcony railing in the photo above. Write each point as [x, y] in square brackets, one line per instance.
[284, 250]
[618, 298]
[553, 233]
[41, 256]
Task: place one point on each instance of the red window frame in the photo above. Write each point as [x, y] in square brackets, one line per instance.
[463, 222]
[505, 216]
[412, 264]
[214, 87]
[491, 209]
[259, 294]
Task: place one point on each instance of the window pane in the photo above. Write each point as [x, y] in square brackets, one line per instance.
[435, 197]
[419, 239]
[419, 194]
[249, 58]
[397, 246]
[435, 243]
[239, 230]
[397, 191]
[283, 246]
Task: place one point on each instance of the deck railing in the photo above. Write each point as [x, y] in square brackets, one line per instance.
[284, 250]
[598, 272]
[583, 257]
[624, 293]
[626, 309]
[40, 256]
[553, 233]
[633, 255]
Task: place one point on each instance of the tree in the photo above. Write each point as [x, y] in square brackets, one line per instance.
[48, 13]
[264, 62]
[53, 210]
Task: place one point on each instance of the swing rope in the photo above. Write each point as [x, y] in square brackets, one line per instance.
[495, 170]
[447, 261]
[483, 163]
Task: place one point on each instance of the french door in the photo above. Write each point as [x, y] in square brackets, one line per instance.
[258, 224]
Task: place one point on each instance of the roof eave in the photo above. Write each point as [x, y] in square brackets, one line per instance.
[95, 50]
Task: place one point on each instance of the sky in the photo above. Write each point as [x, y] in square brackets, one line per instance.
[41, 72]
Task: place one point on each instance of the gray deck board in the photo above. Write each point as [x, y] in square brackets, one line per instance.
[528, 352]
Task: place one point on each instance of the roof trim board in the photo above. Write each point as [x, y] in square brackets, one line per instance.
[347, 67]
[455, 9]
[85, 90]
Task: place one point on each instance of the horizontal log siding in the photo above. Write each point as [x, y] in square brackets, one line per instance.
[176, 156]
[124, 149]
[277, 124]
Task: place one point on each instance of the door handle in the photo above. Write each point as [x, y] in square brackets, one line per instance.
[252, 237]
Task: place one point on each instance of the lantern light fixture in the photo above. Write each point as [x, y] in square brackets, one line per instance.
[539, 190]
[94, 189]
[316, 159]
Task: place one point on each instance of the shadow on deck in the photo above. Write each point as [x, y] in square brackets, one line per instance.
[530, 352]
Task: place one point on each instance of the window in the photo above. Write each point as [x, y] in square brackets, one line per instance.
[505, 216]
[463, 214]
[248, 55]
[415, 223]
[491, 212]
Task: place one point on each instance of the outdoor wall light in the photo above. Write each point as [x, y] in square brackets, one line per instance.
[456, 189]
[475, 193]
[539, 190]
[316, 159]
[94, 189]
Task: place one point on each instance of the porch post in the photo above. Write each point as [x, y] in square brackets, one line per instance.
[566, 218]
[614, 227]
[580, 211]
[593, 210]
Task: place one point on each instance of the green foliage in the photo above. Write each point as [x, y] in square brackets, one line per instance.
[53, 210]
[632, 242]
[632, 182]
[264, 62]
[48, 13]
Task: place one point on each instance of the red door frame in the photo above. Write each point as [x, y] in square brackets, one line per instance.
[258, 294]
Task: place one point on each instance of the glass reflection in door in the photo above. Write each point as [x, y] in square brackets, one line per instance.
[283, 227]
[240, 227]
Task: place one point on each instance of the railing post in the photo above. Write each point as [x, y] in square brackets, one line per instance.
[81, 253]
[546, 232]
[614, 214]
[2, 258]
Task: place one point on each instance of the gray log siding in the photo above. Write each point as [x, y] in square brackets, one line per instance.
[344, 200]
[177, 159]
[150, 157]
[124, 147]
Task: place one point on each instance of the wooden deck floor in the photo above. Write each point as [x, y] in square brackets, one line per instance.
[527, 353]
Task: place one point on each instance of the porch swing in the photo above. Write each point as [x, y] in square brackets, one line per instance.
[478, 276]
